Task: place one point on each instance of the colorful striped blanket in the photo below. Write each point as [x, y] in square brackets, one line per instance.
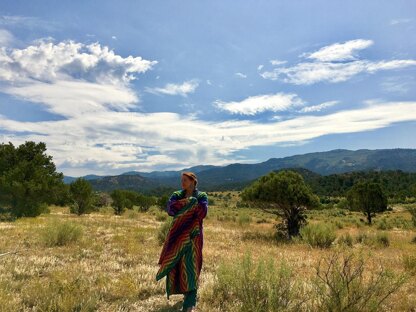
[180, 259]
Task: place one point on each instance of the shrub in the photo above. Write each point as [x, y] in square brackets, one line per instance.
[378, 239]
[412, 211]
[409, 263]
[264, 286]
[164, 230]
[318, 235]
[244, 219]
[60, 233]
[382, 239]
[342, 283]
[346, 239]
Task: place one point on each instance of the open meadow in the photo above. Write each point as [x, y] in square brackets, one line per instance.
[103, 262]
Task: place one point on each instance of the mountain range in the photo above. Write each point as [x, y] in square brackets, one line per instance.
[237, 175]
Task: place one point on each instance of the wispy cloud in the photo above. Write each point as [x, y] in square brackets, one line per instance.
[182, 89]
[319, 107]
[91, 142]
[400, 21]
[260, 103]
[6, 38]
[340, 51]
[334, 63]
[277, 62]
[27, 22]
[241, 75]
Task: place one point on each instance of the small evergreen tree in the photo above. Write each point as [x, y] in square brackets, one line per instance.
[367, 197]
[120, 201]
[81, 195]
[286, 193]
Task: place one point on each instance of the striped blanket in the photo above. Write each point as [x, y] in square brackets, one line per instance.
[180, 259]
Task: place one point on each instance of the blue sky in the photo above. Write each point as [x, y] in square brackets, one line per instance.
[114, 86]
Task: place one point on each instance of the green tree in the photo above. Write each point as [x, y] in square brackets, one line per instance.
[162, 201]
[367, 197]
[120, 201]
[81, 195]
[285, 194]
[28, 179]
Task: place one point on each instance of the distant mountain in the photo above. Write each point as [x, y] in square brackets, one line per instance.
[237, 175]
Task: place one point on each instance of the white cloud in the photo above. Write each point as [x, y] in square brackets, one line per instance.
[71, 78]
[334, 63]
[340, 51]
[91, 142]
[182, 89]
[319, 107]
[260, 67]
[277, 62]
[260, 103]
[241, 75]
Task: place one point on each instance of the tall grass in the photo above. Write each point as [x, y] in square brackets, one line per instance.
[318, 234]
[258, 287]
[60, 233]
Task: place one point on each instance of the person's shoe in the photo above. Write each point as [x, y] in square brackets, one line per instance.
[190, 309]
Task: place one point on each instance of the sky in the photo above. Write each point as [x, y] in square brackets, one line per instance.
[117, 86]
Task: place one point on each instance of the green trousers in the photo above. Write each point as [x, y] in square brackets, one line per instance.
[189, 299]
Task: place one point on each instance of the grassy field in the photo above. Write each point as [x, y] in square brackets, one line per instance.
[103, 262]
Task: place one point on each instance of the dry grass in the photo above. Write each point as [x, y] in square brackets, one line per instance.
[112, 265]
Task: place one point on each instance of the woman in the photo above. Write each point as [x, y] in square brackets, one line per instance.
[181, 257]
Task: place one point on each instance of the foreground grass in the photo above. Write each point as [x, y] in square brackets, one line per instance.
[103, 262]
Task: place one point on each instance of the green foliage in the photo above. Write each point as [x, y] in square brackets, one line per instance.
[412, 211]
[162, 201]
[257, 287]
[120, 201]
[123, 199]
[60, 233]
[81, 195]
[319, 235]
[346, 239]
[367, 197]
[379, 239]
[287, 195]
[343, 283]
[28, 179]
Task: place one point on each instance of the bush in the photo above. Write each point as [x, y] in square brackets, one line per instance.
[412, 211]
[409, 263]
[382, 239]
[60, 233]
[318, 235]
[378, 239]
[244, 219]
[342, 283]
[164, 230]
[346, 239]
[265, 286]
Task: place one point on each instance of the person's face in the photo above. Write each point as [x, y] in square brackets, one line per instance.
[187, 182]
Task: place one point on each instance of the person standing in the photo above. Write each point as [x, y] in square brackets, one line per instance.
[181, 257]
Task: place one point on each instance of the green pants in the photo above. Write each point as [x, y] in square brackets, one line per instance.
[189, 299]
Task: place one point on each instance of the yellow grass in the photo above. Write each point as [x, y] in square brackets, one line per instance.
[112, 266]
